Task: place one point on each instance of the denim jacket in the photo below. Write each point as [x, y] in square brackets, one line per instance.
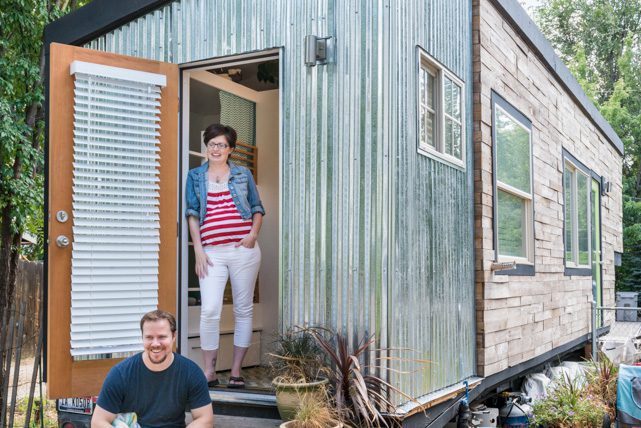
[241, 186]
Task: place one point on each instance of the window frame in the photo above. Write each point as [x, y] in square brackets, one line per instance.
[525, 266]
[573, 267]
[438, 71]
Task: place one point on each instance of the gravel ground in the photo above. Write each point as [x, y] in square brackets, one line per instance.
[24, 380]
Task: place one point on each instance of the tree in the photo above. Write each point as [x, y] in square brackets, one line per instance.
[600, 41]
[22, 69]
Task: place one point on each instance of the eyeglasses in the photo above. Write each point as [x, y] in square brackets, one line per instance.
[217, 145]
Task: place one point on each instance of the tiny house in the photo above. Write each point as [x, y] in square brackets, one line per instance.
[371, 130]
[369, 224]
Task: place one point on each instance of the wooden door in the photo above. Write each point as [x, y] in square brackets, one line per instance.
[69, 377]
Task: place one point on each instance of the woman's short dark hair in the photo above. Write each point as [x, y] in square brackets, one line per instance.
[217, 129]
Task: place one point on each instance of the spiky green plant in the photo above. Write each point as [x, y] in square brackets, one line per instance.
[360, 396]
[601, 377]
[297, 357]
[569, 406]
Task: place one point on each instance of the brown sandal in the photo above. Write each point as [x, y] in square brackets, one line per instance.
[239, 382]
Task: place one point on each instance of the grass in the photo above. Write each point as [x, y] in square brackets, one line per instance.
[50, 414]
[573, 405]
[569, 406]
[315, 413]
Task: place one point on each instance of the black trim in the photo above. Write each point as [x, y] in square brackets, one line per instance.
[179, 223]
[530, 33]
[441, 414]
[97, 18]
[436, 416]
[600, 179]
[567, 156]
[519, 369]
[214, 62]
[513, 111]
[45, 262]
[572, 271]
[496, 99]
[520, 270]
[247, 409]
[448, 414]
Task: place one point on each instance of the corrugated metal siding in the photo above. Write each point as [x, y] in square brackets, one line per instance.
[431, 306]
[367, 223]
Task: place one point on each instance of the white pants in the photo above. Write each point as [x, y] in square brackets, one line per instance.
[240, 265]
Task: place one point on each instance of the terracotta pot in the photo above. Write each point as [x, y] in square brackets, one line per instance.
[288, 395]
[291, 424]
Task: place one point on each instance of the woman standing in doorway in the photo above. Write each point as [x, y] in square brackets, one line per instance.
[225, 213]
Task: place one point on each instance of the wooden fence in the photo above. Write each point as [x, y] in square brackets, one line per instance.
[28, 284]
[21, 338]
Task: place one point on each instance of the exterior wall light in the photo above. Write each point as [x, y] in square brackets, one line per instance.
[317, 50]
[606, 186]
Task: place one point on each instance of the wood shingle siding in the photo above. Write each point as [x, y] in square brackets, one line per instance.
[521, 317]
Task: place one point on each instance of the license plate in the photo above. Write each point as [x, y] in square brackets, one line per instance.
[82, 405]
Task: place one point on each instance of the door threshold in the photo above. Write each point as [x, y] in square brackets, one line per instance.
[248, 403]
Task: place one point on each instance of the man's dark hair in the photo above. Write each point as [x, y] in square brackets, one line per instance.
[158, 315]
[217, 129]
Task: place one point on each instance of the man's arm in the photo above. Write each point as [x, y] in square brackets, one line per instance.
[102, 418]
[203, 417]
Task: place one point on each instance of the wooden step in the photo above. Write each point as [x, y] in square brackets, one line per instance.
[248, 403]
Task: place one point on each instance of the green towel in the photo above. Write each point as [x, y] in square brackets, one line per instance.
[126, 420]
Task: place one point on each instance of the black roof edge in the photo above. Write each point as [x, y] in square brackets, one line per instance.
[101, 16]
[530, 32]
[95, 19]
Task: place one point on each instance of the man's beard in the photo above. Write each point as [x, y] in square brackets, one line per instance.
[162, 360]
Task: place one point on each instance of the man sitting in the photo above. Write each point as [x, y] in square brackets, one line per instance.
[156, 384]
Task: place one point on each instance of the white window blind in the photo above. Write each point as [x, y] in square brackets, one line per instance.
[114, 262]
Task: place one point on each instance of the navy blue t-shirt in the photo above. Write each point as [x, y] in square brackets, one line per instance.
[158, 398]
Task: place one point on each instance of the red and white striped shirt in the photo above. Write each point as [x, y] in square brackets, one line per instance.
[223, 223]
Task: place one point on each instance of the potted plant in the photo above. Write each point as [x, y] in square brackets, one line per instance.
[601, 376]
[569, 405]
[360, 397]
[298, 366]
[311, 361]
[315, 413]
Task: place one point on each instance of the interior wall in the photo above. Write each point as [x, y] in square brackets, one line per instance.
[267, 120]
[204, 109]
[197, 123]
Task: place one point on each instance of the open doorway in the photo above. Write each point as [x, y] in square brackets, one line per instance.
[242, 92]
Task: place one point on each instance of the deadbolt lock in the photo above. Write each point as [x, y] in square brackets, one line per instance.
[62, 216]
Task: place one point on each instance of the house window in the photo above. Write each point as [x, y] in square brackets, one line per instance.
[441, 118]
[512, 138]
[576, 189]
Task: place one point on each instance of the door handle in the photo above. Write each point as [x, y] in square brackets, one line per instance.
[62, 241]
